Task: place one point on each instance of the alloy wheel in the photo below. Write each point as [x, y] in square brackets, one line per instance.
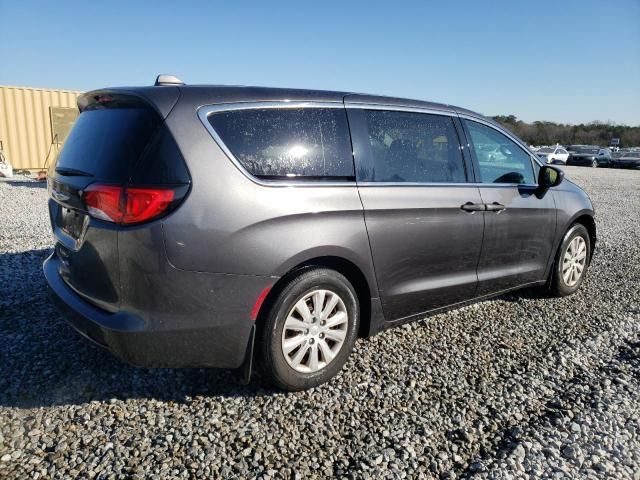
[574, 261]
[314, 331]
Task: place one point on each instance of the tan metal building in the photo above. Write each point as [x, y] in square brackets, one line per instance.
[34, 123]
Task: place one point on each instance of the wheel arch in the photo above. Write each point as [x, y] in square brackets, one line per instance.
[584, 217]
[353, 273]
[589, 223]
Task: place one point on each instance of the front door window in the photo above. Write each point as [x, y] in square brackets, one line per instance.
[500, 159]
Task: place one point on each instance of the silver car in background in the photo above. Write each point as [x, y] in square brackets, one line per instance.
[554, 155]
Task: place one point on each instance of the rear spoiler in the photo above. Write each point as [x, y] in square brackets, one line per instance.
[162, 100]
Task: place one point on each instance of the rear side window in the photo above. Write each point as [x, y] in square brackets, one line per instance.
[413, 147]
[281, 143]
[500, 159]
[107, 143]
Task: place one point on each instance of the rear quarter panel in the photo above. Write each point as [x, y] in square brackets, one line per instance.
[231, 224]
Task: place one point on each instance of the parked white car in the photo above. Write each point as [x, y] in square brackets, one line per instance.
[553, 155]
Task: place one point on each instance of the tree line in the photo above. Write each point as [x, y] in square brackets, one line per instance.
[550, 133]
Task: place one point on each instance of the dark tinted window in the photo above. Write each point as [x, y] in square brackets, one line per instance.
[161, 162]
[288, 142]
[413, 147]
[500, 159]
[107, 143]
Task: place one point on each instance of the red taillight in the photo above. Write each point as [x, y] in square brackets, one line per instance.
[143, 204]
[104, 202]
[126, 205]
[103, 98]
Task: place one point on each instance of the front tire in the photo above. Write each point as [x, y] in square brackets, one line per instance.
[310, 329]
[572, 261]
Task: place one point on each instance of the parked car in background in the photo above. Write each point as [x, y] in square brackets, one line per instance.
[588, 156]
[218, 219]
[625, 159]
[554, 155]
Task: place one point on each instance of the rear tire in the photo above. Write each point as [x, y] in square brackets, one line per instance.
[572, 261]
[310, 330]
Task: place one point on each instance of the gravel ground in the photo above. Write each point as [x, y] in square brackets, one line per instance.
[519, 386]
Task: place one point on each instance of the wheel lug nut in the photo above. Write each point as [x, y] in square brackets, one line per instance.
[321, 335]
[306, 332]
[322, 322]
[311, 340]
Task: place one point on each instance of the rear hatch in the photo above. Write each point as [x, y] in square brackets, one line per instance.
[119, 169]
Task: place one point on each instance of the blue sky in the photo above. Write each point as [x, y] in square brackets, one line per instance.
[562, 60]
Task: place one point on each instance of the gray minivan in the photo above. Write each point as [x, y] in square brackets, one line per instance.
[218, 226]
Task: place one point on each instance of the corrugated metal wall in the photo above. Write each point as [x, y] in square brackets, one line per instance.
[25, 123]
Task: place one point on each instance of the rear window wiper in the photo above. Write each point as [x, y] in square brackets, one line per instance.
[72, 172]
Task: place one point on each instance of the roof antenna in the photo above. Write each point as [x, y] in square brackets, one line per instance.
[164, 79]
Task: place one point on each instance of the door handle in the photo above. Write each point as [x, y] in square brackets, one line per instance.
[495, 207]
[473, 207]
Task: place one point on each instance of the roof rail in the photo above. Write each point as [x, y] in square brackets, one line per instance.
[164, 79]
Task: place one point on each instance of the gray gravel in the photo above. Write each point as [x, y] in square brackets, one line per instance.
[519, 386]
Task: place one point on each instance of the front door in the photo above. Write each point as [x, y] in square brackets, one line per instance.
[520, 221]
[423, 218]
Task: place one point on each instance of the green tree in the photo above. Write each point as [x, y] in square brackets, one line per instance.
[550, 133]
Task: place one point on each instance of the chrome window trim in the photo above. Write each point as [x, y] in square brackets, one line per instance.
[223, 107]
[444, 184]
[205, 110]
[399, 108]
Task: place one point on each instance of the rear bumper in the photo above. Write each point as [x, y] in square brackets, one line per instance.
[205, 337]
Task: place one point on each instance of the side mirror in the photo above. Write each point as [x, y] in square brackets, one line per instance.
[550, 177]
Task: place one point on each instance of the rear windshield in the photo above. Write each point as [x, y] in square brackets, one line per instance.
[274, 143]
[107, 143]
